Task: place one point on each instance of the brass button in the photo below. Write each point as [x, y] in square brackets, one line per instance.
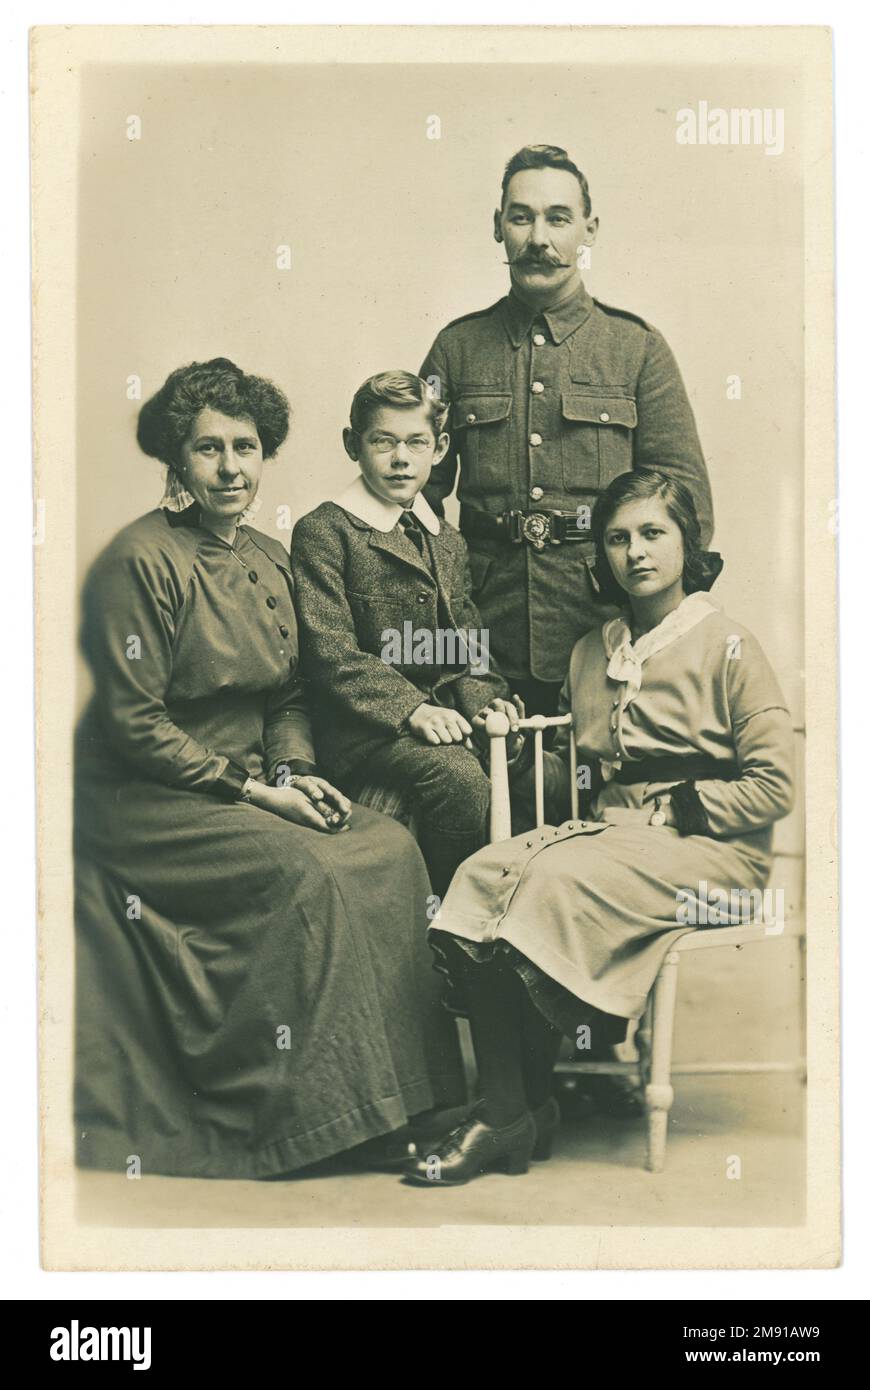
[536, 493]
[252, 575]
[535, 440]
[604, 416]
[421, 598]
[539, 340]
[470, 419]
[537, 388]
[271, 601]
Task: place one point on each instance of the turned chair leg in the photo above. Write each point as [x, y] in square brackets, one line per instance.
[658, 1093]
[643, 1043]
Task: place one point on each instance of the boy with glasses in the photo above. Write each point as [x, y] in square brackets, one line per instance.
[392, 644]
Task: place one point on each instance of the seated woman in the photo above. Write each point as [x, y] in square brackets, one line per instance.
[678, 714]
[255, 992]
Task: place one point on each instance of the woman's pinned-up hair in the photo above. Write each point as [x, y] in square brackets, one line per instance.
[701, 568]
[398, 391]
[165, 420]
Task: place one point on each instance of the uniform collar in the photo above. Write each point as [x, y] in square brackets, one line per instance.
[361, 502]
[561, 321]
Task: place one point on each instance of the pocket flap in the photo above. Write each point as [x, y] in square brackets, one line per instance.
[480, 410]
[600, 410]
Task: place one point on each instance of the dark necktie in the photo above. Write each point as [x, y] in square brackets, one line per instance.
[411, 528]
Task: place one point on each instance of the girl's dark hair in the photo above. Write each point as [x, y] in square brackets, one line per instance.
[165, 420]
[700, 567]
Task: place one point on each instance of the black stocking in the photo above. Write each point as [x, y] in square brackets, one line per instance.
[514, 1045]
[496, 1031]
[540, 1053]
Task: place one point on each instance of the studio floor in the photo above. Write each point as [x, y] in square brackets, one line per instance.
[719, 1125]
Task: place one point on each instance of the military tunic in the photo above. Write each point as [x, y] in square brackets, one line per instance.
[547, 408]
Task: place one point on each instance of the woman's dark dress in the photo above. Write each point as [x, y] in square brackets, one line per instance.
[252, 995]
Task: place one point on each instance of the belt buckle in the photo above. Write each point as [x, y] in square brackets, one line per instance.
[536, 529]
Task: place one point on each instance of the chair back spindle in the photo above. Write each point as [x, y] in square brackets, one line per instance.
[498, 728]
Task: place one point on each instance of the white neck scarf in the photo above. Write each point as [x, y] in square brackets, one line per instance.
[626, 658]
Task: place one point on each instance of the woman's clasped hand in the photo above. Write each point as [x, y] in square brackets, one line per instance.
[309, 800]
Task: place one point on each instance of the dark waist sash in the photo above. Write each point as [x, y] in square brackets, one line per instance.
[694, 767]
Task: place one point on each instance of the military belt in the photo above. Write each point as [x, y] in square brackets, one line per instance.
[538, 528]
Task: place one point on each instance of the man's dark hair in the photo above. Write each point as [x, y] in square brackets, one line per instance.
[545, 157]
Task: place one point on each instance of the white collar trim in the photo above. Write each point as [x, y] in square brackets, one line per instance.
[361, 502]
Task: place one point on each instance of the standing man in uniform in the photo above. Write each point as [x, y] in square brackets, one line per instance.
[552, 395]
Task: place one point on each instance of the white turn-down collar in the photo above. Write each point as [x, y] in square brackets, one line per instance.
[361, 502]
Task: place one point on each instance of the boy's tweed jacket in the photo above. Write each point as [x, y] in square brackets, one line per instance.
[357, 575]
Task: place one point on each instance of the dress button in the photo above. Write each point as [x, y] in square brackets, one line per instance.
[536, 493]
[537, 388]
[284, 631]
[604, 416]
[470, 419]
[539, 340]
[271, 601]
[252, 575]
[616, 702]
[535, 440]
[421, 598]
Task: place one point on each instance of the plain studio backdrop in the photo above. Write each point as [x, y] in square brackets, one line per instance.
[390, 236]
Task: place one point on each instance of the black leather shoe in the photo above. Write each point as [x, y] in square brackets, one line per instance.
[475, 1148]
[546, 1118]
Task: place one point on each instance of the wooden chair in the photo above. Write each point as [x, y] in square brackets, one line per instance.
[655, 1032]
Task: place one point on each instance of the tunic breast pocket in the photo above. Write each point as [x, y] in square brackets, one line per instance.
[597, 439]
[479, 422]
